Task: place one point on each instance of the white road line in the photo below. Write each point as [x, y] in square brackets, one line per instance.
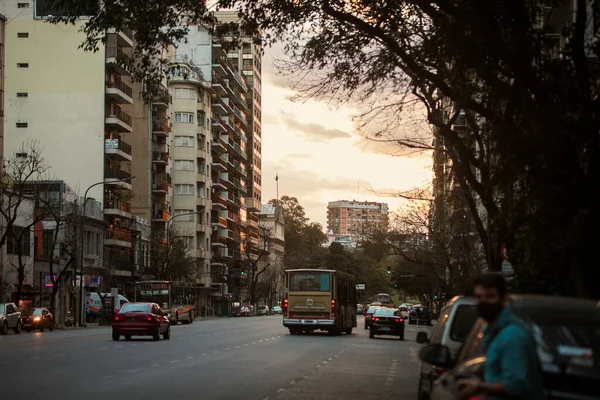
[273, 338]
[134, 344]
[109, 376]
[118, 347]
[190, 358]
[245, 344]
[203, 354]
[102, 349]
[60, 354]
[35, 358]
[253, 342]
[155, 365]
[305, 376]
[216, 351]
[133, 371]
[324, 362]
[319, 366]
[227, 349]
[280, 390]
[260, 341]
[330, 358]
[292, 382]
[174, 361]
[237, 347]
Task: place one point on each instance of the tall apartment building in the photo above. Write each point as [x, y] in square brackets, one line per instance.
[191, 154]
[356, 218]
[228, 124]
[247, 60]
[71, 102]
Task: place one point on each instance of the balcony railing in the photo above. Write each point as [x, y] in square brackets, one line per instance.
[219, 220]
[116, 173]
[163, 97]
[116, 52]
[161, 125]
[160, 214]
[119, 84]
[164, 186]
[160, 156]
[120, 115]
[116, 204]
[117, 144]
[219, 200]
[119, 234]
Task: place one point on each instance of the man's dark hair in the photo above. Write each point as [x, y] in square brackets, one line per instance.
[492, 280]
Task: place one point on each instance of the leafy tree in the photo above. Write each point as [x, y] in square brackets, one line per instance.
[256, 260]
[169, 255]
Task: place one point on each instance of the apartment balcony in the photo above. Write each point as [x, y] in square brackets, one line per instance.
[117, 207]
[118, 60]
[119, 92]
[161, 127]
[238, 150]
[160, 215]
[202, 202]
[252, 223]
[118, 120]
[218, 126]
[218, 107]
[116, 176]
[124, 36]
[224, 253]
[239, 185]
[219, 203]
[160, 157]
[201, 227]
[239, 115]
[252, 204]
[219, 165]
[238, 201]
[206, 254]
[218, 145]
[202, 177]
[161, 187]
[219, 184]
[117, 149]
[118, 237]
[162, 99]
[219, 222]
[241, 168]
[218, 88]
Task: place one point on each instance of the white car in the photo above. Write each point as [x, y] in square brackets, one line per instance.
[10, 318]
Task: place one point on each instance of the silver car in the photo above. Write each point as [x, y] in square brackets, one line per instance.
[10, 318]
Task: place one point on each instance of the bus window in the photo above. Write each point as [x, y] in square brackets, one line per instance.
[301, 281]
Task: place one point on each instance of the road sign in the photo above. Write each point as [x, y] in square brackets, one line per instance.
[507, 268]
[504, 252]
[407, 276]
[360, 286]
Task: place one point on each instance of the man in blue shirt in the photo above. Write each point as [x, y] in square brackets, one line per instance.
[512, 369]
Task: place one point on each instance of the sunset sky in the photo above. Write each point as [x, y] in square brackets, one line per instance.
[319, 158]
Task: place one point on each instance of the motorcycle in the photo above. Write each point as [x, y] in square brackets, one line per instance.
[69, 320]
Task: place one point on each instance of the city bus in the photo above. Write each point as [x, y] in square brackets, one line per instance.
[178, 299]
[385, 300]
[319, 299]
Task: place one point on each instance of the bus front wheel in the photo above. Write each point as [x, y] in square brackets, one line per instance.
[348, 331]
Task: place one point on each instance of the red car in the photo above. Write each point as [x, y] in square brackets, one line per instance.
[37, 318]
[141, 319]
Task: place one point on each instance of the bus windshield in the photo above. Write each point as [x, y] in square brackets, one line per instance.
[153, 293]
[309, 281]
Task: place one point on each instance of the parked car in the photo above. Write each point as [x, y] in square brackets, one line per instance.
[456, 319]
[567, 336]
[387, 321]
[141, 319]
[37, 318]
[360, 309]
[263, 310]
[10, 318]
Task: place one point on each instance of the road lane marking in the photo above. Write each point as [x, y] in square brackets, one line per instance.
[292, 382]
[174, 361]
[280, 390]
[118, 347]
[227, 349]
[216, 351]
[260, 341]
[60, 354]
[102, 349]
[253, 342]
[237, 347]
[245, 344]
[155, 365]
[109, 376]
[190, 358]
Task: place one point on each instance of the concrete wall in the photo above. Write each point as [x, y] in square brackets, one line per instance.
[64, 107]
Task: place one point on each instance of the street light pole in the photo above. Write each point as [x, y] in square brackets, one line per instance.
[167, 231]
[82, 227]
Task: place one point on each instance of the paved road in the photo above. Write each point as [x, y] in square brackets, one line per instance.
[230, 358]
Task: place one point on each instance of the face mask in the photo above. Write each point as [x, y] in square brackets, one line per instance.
[489, 311]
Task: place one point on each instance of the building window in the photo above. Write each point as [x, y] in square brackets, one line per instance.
[22, 5]
[184, 165]
[184, 141]
[184, 93]
[184, 189]
[12, 243]
[22, 94]
[201, 118]
[184, 117]
[48, 244]
[22, 65]
[23, 34]
[189, 217]
[22, 124]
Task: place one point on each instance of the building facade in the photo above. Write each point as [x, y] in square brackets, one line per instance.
[272, 240]
[357, 218]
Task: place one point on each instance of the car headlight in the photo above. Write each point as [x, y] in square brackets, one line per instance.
[36, 319]
[169, 316]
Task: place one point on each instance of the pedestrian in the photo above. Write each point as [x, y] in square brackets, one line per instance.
[512, 369]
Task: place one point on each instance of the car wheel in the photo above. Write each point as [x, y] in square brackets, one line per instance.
[167, 334]
[28, 329]
[371, 334]
[90, 318]
[17, 329]
[349, 331]
[4, 328]
[41, 328]
[402, 337]
[156, 335]
[115, 336]
[51, 327]
[127, 337]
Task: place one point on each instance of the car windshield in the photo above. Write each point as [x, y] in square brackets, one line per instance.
[136, 308]
[1, 308]
[465, 317]
[31, 311]
[385, 312]
[372, 310]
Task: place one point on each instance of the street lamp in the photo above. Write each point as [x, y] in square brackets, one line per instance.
[85, 199]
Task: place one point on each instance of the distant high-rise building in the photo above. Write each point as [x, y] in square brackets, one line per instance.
[356, 218]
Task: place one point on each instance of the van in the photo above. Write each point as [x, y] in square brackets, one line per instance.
[456, 319]
[93, 305]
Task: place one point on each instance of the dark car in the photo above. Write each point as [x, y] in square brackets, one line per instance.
[419, 315]
[141, 319]
[387, 321]
[369, 315]
[567, 334]
[37, 318]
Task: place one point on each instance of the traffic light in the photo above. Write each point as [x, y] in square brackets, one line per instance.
[395, 285]
[243, 272]
[389, 270]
